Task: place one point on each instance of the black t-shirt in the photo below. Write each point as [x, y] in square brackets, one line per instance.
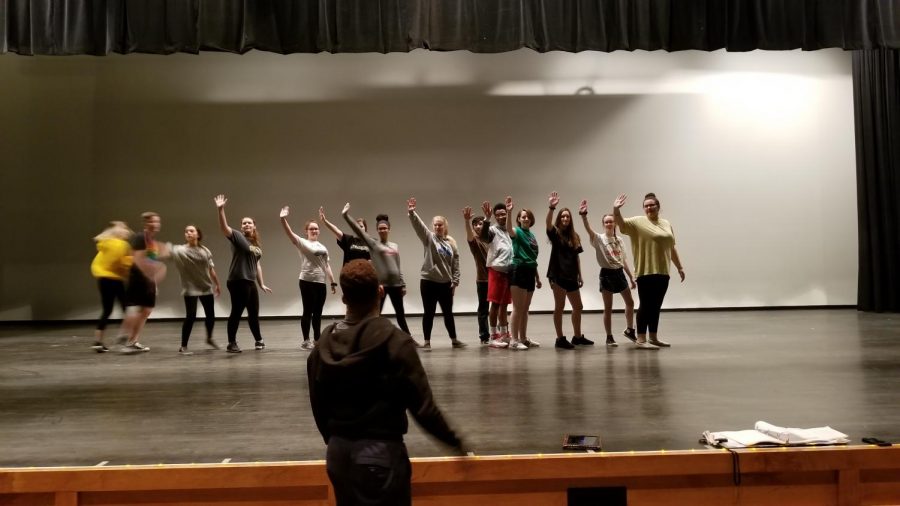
[354, 248]
[243, 259]
[563, 258]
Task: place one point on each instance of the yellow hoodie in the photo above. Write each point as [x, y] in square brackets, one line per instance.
[113, 259]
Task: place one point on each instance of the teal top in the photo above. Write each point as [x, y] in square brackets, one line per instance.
[525, 248]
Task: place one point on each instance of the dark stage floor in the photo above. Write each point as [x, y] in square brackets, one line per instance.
[63, 404]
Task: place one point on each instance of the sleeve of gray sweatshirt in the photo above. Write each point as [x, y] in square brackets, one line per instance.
[455, 266]
[420, 228]
[388, 266]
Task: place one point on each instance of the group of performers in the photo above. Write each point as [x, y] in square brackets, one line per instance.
[128, 267]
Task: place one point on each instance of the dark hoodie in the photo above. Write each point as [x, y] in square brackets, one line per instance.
[363, 378]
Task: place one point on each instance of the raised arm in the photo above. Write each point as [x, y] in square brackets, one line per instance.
[553, 201]
[510, 220]
[285, 212]
[486, 229]
[329, 225]
[220, 201]
[356, 228]
[417, 223]
[583, 211]
[617, 213]
[467, 217]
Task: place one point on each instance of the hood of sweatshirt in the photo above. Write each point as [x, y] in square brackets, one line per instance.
[349, 346]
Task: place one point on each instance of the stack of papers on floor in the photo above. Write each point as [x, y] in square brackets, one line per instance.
[765, 434]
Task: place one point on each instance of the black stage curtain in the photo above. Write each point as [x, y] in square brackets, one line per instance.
[876, 99]
[98, 27]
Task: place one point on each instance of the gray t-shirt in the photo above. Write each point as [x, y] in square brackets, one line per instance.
[193, 265]
[244, 258]
[313, 260]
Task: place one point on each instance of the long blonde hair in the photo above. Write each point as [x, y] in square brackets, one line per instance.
[114, 230]
[447, 237]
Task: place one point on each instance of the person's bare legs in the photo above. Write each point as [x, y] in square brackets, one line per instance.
[607, 311]
[577, 307]
[559, 305]
[629, 308]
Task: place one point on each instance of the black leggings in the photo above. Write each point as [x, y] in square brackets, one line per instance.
[111, 290]
[396, 295]
[483, 310]
[652, 290]
[312, 295]
[434, 293]
[190, 315]
[243, 296]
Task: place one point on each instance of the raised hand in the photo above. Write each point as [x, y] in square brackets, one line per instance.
[509, 204]
[620, 201]
[467, 213]
[583, 208]
[322, 213]
[553, 200]
[220, 201]
[411, 204]
[346, 208]
[285, 211]
[486, 207]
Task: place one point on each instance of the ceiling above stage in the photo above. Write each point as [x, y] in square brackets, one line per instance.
[72, 27]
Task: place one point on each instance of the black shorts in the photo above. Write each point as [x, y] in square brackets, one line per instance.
[523, 276]
[140, 291]
[569, 285]
[613, 280]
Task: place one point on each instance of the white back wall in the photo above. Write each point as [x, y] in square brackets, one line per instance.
[751, 155]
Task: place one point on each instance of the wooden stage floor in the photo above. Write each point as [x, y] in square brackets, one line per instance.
[62, 404]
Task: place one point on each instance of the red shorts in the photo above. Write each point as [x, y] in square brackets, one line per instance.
[498, 287]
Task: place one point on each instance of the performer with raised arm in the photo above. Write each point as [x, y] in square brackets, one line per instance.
[524, 277]
[653, 246]
[564, 272]
[352, 246]
[440, 273]
[244, 274]
[315, 272]
[479, 251]
[499, 263]
[386, 259]
[613, 268]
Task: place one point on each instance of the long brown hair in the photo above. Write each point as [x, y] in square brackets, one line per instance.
[254, 236]
[569, 236]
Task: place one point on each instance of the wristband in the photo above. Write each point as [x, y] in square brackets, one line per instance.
[333, 285]
[552, 208]
[582, 214]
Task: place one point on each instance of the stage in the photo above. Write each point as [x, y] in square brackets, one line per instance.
[62, 404]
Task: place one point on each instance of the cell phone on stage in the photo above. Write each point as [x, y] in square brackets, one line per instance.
[581, 442]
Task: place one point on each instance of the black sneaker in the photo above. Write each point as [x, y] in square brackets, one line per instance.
[629, 333]
[213, 344]
[99, 347]
[233, 348]
[582, 341]
[260, 345]
[611, 342]
[563, 343]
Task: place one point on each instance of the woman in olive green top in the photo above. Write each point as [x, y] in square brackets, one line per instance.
[653, 247]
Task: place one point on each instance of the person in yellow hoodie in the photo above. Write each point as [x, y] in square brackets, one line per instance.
[110, 266]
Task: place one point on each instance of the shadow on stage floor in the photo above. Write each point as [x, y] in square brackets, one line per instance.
[63, 404]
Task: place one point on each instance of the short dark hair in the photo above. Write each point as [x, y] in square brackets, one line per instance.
[359, 283]
[384, 218]
[499, 206]
[476, 220]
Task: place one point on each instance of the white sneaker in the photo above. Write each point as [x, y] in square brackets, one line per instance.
[661, 344]
[498, 343]
[643, 345]
[307, 345]
[518, 346]
[134, 348]
[184, 351]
